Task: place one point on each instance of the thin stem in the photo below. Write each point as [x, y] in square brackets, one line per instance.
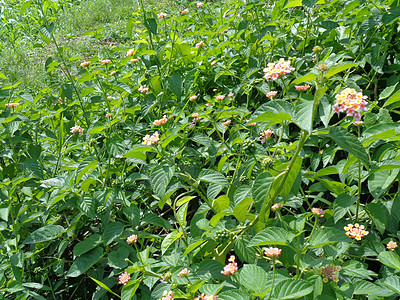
[359, 184]
[273, 278]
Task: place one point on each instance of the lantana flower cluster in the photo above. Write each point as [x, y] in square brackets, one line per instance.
[231, 268]
[350, 101]
[161, 121]
[206, 297]
[275, 71]
[329, 272]
[272, 252]
[151, 140]
[265, 135]
[355, 231]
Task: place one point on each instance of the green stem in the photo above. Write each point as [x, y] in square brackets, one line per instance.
[359, 184]
[273, 277]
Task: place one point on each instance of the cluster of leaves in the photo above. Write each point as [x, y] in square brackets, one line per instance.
[77, 179]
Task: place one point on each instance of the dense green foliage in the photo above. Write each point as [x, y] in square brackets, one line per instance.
[170, 151]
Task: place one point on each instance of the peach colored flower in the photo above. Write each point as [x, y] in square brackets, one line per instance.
[132, 239]
[220, 97]
[151, 140]
[185, 272]
[391, 245]
[206, 297]
[199, 44]
[130, 52]
[108, 115]
[358, 123]
[318, 212]
[350, 101]
[85, 64]
[231, 95]
[302, 88]
[113, 73]
[12, 104]
[200, 4]
[144, 89]
[277, 70]
[272, 94]
[225, 31]
[272, 252]
[134, 60]
[168, 295]
[355, 231]
[276, 206]
[329, 272]
[162, 15]
[161, 121]
[266, 135]
[227, 123]
[105, 61]
[213, 62]
[193, 98]
[76, 128]
[185, 11]
[231, 268]
[253, 124]
[195, 115]
[124, 278]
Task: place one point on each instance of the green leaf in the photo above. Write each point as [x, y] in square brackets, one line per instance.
[175, 84]
[378, 213]
[271, 236]
[132, 213]
[160, 178]
[306, 78]
[378, 182]
[261, 188]
[84, 262]
[293, 3]
[392, 283]
[387, 91]
[129, 290]
[341, 205]
[116, 259]
[169, 240]
[221, 203]
[112, 231]
[349, 143]
[233, 295]
[240, 210]
[33, 167]
[182, 214]
[87, 244]
[365, 287]
[115, 146]
[393, 99]
[276, 106]
[304, 112]
[247, 254]
[334, 70]
[390, 259]
[156, 220]
[151, 25]
[292, 288]
[213, 176]
[44, 234]
[254, 278]
[87, 206]
[326, 236]
[273, 118]
[104, 286]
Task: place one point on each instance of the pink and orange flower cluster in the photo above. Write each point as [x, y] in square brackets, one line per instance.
[276, 71]
[350, 101]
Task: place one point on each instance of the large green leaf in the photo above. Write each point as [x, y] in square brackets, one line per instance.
[272, 118]
[292, 289]
[233, 295]
[87, 244]
[261, 188]
[304, 112]
[349, 143]
[169, 240]
[378, 182]
[341, 205]
[378, 213]
[390, 259]
[44, 234]
[334, 70]
[84, 262]
[160, 178]
[272, 236]
[392, 282]
[213, 176]
[175, 84]
[253, 278]
[247, 254]
[112, 231]
[326, 236]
